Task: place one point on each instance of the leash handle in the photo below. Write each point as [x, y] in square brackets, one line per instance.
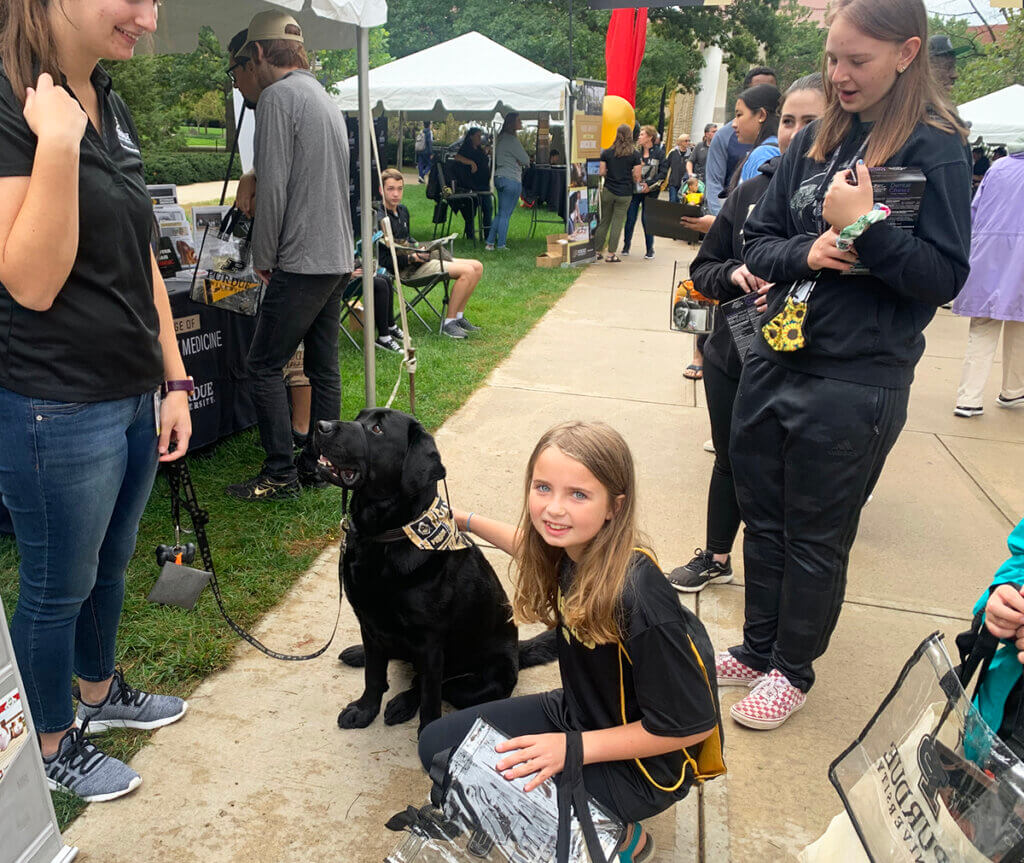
[182, 491]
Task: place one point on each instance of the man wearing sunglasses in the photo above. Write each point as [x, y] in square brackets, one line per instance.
[302, 242]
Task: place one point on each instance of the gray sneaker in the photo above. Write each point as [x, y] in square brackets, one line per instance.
[453, 330]
[125, 707]
[466, 325]
[82, 769]
[700, 572]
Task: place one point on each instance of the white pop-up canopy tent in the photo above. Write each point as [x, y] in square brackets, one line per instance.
[325, 24]
[997, 117]
[469, 77]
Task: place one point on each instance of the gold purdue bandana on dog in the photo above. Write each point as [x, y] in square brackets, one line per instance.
[435, 530]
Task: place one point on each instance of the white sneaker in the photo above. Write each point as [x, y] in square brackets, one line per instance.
[709, 446]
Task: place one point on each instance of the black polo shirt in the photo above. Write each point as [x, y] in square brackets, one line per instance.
[99, 339]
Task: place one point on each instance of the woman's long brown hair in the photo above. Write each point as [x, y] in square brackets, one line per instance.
[27, 46]
[623, 144]
[915, 96]
[591, 609]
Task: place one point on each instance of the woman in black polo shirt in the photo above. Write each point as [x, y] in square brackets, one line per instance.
[87, 339]
[620, 167]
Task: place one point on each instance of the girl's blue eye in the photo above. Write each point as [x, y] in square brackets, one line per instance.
[579, 495]
[542, 487]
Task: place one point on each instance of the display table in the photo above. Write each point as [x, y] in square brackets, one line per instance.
[547, 183]
[213, 345]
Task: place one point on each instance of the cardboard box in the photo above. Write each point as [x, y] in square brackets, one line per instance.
[558, 246]
[548, 262]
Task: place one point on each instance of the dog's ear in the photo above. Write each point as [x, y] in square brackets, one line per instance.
[422, 465]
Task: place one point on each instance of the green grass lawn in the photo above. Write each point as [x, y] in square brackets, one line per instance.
[260, 549]
[197, 136]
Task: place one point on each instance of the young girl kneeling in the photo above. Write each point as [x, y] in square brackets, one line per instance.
[632, 678]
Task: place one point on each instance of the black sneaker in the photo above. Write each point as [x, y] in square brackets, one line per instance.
[309, 476]
[700, 572]
[395, 332]
[966, 411]
[466, 325]
[263, 487]
[1004, 402]
[387, 343]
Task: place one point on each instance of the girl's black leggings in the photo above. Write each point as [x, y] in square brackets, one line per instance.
[616, 785]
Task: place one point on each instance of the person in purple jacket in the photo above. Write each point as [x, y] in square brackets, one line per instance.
[993, 296]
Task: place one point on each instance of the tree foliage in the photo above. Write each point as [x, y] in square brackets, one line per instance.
[159, 88]
[994, 66]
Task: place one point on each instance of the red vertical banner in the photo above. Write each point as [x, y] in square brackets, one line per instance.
[624, 51]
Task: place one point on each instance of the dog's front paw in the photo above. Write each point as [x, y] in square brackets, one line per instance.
[402, 707]
[357, 716]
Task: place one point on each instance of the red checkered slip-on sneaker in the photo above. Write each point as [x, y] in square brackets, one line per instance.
[772, 700]
[731, 672]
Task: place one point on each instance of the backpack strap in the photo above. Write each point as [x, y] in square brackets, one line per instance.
[573, 795]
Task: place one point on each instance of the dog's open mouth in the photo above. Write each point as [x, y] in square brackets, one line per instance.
[343, 476]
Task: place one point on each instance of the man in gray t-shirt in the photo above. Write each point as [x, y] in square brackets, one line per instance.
[302, 243]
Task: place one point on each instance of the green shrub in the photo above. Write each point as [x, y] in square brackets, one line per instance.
[185, 168]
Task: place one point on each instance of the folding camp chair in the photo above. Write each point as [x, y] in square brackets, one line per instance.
[353, 294]
[421, 287]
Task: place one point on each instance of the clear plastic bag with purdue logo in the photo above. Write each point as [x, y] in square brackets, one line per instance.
[484, 817]
[225, 277]
[927, 780]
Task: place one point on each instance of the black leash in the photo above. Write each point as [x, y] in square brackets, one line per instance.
[183, 492]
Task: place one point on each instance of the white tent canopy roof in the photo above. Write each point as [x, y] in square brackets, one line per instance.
[324, 23]
[997, 117]
[469, 77]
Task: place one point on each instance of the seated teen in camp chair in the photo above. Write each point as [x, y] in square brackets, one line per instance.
[999, 695]
[466, 271]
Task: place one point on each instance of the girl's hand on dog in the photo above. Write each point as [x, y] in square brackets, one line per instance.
[534, 752]
[175, 425]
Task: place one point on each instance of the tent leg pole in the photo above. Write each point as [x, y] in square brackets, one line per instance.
[401, 137]
[366, 212]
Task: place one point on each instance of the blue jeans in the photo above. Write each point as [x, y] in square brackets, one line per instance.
[631, 214]
[76, 478]
[508, 194]
[673, 194]
[423, 164]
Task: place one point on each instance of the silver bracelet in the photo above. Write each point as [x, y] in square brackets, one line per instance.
[469, 518]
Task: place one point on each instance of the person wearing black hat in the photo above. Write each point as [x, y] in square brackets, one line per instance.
[943, 57]
[302, 243]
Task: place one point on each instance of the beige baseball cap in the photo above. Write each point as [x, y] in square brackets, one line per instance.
[269, 25]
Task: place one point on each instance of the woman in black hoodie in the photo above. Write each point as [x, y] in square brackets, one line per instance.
[718, 272]
[824, 390]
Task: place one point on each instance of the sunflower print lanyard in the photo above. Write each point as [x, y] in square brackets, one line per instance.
[785, 331]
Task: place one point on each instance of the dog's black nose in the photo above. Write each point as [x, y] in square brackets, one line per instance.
[325, 427]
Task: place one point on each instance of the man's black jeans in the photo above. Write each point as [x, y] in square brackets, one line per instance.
[296, 308]
[806, 452]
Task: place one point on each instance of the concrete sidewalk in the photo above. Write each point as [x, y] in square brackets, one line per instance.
[259, 769]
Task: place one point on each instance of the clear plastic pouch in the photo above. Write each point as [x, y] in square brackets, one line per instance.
[928, 780]
[486, 817]
[225, 277]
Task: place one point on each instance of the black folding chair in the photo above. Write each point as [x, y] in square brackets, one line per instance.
[350, 299]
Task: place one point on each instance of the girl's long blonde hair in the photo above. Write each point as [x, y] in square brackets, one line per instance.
[915, 96]
[591, 609]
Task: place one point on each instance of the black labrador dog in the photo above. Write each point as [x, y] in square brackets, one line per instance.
[445, 611]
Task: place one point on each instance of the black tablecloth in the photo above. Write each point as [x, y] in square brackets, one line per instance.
[548, 184]
[214, 345]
